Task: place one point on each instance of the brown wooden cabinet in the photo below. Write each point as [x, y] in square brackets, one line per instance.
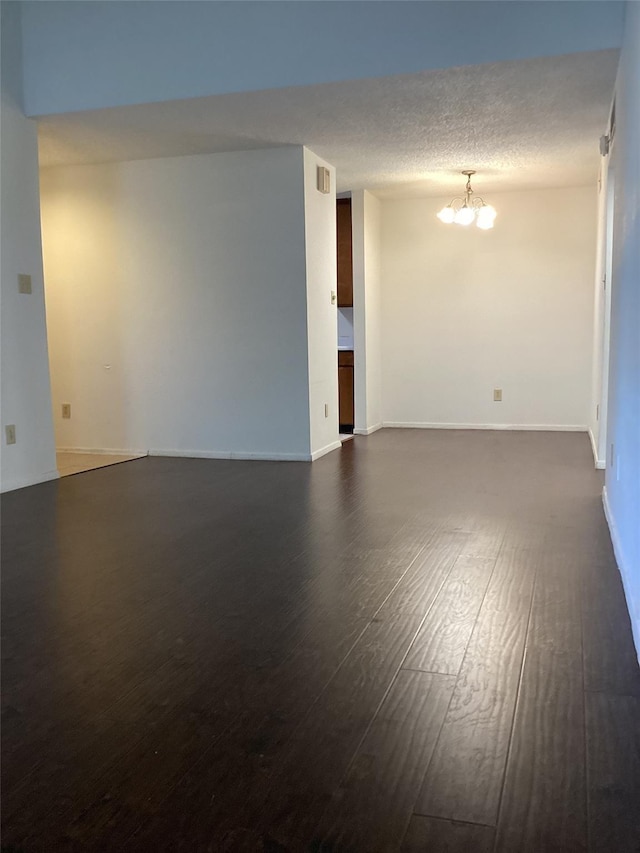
[345, 390]
[345, 253]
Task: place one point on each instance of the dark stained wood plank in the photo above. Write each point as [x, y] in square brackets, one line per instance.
[300, 679]
[613, 749]
[361, 594]
[442, 640]
[193, 651]
[144, 725]
[287, 804]
[543, 806]
[610, 659]
[485, 538]
[415, 593]
[133, 763]
[464, 779]
[113, 790]
[434, 835]
[339, 719]
[371, 808]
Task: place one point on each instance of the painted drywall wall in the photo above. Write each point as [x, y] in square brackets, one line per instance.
[359, 309]
[373, 314]
[622, 497]
[26, 400]
[467, 311]
[599, 306]
[322, 320]
[367, 300]
[602, 315]
[176, 303]
[175, 50]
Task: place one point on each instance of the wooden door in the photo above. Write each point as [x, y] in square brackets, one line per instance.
[345, 391]
[345, 253]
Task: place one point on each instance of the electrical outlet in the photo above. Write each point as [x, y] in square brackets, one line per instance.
[24, 283]
[66, 410]
[10, 433]
[326, 410]
[497, 395]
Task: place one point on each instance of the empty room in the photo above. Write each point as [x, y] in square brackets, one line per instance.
[232, 234]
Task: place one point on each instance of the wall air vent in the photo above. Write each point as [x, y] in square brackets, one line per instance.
[324, 180]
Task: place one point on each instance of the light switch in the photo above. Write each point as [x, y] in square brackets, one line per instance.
[497, 395]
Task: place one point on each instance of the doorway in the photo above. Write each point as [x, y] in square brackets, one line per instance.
[346, 362]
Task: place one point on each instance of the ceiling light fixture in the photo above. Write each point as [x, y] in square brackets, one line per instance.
[465, 209]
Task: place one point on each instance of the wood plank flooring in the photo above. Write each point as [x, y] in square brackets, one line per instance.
[417, 643]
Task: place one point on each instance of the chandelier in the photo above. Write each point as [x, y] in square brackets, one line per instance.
[464, 210]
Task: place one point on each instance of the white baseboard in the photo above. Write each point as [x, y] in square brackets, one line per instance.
[326, 449]
[625, 572]
[23, 482]
[102, 451]
[247, 455]
[233, 454]
[368, 430]
[521, 427]
[599, 463]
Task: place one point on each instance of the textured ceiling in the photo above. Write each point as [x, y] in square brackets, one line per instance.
[526, 124]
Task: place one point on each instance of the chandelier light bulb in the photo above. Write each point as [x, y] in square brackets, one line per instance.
[463, 210]
[464, 216]
[447, 214]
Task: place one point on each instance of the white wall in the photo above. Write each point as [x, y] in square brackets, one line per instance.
[622, 497]
[602, 314]
[26, 400]
[176, 303]
[599, 305]
[234, 47]
[322, 320]
[367, 300]
[373, 316]
[466, 311]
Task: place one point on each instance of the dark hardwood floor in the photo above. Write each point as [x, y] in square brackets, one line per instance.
[417, 643]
